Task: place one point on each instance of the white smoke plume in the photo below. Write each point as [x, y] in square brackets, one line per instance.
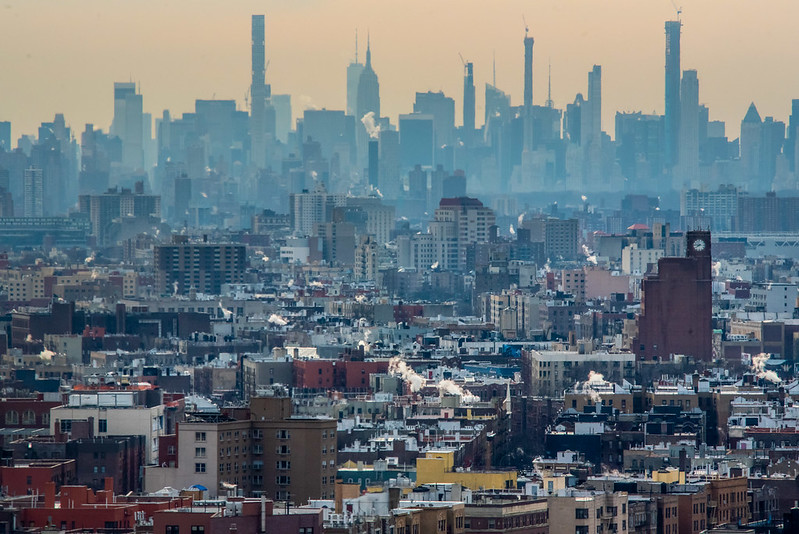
[759, 368]
[277, 320]
[448, 387]
[594, 379]
[368, 122]
[415, 381]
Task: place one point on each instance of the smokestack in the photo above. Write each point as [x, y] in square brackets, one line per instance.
[263, 513]
[373, 162]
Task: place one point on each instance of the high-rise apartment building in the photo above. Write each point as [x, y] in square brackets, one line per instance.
[33, 193]
[268, 452]
[308, 209]
[115, 204]
[204, 267]
[458, 223]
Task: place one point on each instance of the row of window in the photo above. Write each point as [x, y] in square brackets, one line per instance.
[28, 417]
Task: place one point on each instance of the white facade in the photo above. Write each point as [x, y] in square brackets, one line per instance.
[635, 260]
[774, 297]
[114, 414]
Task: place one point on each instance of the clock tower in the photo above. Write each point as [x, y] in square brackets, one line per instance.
[677, 305]
[698, 247]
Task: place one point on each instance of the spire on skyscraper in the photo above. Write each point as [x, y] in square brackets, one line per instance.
[549, 104]
[368, 50]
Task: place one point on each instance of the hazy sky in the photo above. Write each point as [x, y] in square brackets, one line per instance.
[64, 55]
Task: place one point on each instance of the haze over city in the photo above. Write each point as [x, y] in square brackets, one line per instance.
[413, 267]
[179, 51]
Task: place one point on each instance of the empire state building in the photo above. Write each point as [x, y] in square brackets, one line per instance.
[368, 89]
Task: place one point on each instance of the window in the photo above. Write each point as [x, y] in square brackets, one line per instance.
[199, 436]
[12, 417]
[581, 513]
[283, 434]
[582, 529]
[65, 425]
[283, 464]
[198, 529]
[29, 417]
[102, 425]
[199, 452]
[172, 529]
[199, 468]
[282, 480]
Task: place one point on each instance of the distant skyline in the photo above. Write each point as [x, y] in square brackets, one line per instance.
[64, 55]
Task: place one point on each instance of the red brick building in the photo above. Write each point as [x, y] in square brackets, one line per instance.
[676, 305]
[32, 477]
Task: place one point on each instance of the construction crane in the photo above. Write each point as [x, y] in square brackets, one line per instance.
[677, 9]
[526, 28]
[247, 94]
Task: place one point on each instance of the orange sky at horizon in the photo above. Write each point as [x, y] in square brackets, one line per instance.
[64, 55]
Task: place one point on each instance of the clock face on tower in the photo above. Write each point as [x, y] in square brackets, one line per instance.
[699, 245]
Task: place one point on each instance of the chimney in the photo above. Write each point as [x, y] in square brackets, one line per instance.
[683, 462]
[108, 484]
[121, 318]
[49, 494]
[393, 498]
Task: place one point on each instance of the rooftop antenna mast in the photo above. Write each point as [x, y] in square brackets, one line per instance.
[549, 87]
[356, 45]
[494, 69]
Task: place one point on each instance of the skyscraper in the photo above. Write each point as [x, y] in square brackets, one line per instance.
[5, 136]
[258, 94]
[468, 102]
[367, 101]
[354, 71]
[128, 124]
[673, 29]
[442, 108]
[591, 114]
[33, 193]
[368, 97]
[793, 135]
[751, 141]
[688, 146]
[528, 70]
